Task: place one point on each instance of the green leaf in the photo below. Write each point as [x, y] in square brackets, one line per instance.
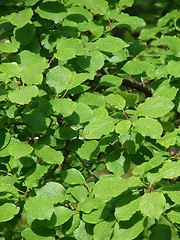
[126, 207]
[92, 99]
[173, 43]
[97, 215]
[174, 216]
[174, 68]
[152, 204]
[111, 80]
[8, 188]
[169, 139]
[25, 34]
[72, 43]
[9, 47]
[107, 188]
[163, 232]
[72, 176]
[91, 63]
[98, 127]
[50, 155]
[52, 10]
[8, 211]
[21, 18]
[28, 234]
[148, 127]
[36, 121]
[129, 229]
[35, 174]
[69, 226]
[77, 79]
[127, 3]
[165, 89]
[90, 203]
[155, 107]
[105, 44]
[23, 95]
[138, 67]
[87, 149]
[170, 169]
[78, 192]
[130, 98]
[123, 126]
[39, 207]
[172, 190]
[65, 133]
[58, 78]
[62, 214]
[98, 7]
[53, 191]
[11, 69]
[149, 33]
[84, 112]
[103, 230]
[19, 149]
[131, 21]
[116, 101]
[146, 166]
[32, 67]
[115, 163]
[63, 106]
[65, 53]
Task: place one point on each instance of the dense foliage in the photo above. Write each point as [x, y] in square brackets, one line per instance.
[89, 117]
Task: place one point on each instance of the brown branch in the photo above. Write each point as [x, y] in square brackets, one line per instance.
[137, 86]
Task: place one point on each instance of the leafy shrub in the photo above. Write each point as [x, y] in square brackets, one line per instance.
[89, 113]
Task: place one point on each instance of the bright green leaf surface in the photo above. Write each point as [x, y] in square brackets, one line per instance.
[72, 176]
[174, 68]
[53, 191]
[87, 149]
[52, 10]
[122, 127]
[155, 107]
[19, 149]
[50, 155]
[62, 214]
[39, 207]
[64, 106]
[98, 127]
[111, 80]
[116, 101]
[129, 229]
[174, 216]
[21, 18]
[84, 112]
[152, 204]
[170, 169]
[29, 235]
[105, 44]
[126, 208]
[57, 78]
[8, 210]
[24, 95]
[11, 69]
[148, 127]
[107, 188]
[32, 67]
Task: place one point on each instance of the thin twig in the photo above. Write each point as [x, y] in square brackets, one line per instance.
[51, 172]
[86, 167]
[64, 93]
